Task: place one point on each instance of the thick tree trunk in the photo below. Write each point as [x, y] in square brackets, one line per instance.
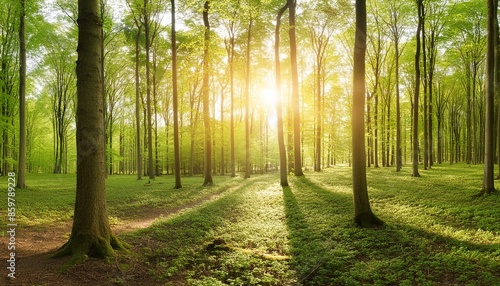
[91, 234]
[279, 101]
[21, 170]
[206, 100]
[177, 153]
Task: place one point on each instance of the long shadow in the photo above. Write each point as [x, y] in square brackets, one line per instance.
[311, 252]
[328, 249]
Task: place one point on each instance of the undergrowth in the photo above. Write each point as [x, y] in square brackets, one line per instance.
[253, 232]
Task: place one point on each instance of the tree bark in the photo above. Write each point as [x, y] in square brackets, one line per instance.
[177, 154]
[138, 106]
[417, 91]
[91, 234]
[295, 90]
[247, 103]
[21, 170]
[489, 140]
[206, 100]
[363, 215]
[148, 91]
[279, 101]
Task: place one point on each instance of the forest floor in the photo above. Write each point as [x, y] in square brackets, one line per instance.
[253, 232]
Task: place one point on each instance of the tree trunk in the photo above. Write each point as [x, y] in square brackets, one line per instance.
[177, 154]
[417, 91]
[91, 234]
[21, 170]
[399, 154]
[295, 90]
[206, 100]
[247, 103]
[363, 215]
[279, 101]
[138, 106]
[489, 140]
[425, 83]
[148, 92]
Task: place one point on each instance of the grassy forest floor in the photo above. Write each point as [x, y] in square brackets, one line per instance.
[253, 232]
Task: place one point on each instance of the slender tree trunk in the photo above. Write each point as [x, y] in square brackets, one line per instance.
[102, 6]
[489, 154]
[155, 111]
[206, 100]
[295, 90]
[363, 215]
[175, 99]
[399, 154]
[417, 91]
[21, 170]
[247, 103]
[425, 83]
[279, 103]
[317, 164]
[138, 106]
[91, 234]
[148, 91]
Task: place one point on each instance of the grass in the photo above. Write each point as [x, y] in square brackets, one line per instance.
[253, 232]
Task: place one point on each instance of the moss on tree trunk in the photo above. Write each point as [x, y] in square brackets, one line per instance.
[91, 234]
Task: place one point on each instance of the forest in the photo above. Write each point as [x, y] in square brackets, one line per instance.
[233, 142]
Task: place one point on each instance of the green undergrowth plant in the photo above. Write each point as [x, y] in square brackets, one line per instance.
[254, 232]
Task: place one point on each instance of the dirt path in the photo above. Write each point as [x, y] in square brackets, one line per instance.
[34, 245]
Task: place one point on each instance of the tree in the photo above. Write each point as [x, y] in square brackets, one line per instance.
[363, 215]
[91, 234]
[279, 103]
[138, 104]
[61, 87]
[489, 100]
[420, 7]
[292, 4]
[147, 33]
[247, 101]
[175, 103]
[397, 32]
[21, 170]
[206, 100]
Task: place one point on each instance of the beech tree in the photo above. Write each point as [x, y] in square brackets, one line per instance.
[489, 100]
[415, 151]
[175, 103]
[91, 234]
[21, 169]
[297, 154]
[279, 103]
[206, 100]
[363, 215]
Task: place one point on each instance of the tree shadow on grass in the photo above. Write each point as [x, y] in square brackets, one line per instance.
[327, 248]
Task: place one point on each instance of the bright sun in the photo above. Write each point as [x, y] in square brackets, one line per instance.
[267, 98]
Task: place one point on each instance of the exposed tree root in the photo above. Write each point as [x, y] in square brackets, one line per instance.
[485, 192]
[368, 220]
[85, 245]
